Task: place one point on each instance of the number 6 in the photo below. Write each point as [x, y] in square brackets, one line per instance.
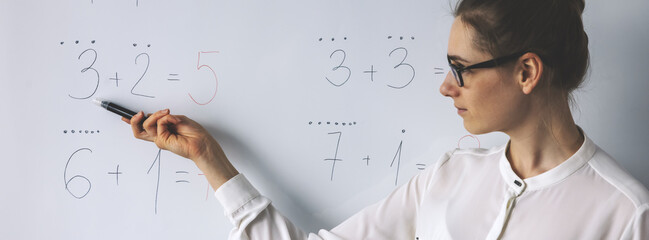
[67, 181]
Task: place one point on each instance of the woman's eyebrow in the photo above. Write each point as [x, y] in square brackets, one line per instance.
[457, 58]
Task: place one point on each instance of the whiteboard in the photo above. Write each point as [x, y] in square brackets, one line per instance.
[326, 106]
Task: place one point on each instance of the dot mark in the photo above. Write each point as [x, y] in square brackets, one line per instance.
[389, 37]
[148, 45]
[65, 131]
[403, 131]
[77, 41]
[344, 124]
[401, 38]
[319, 123]
[62, 43]
[93, 41]
[320, 39]
[328, 123]
[332, 39]
[134, 44]
[354, 123]
[97, 131]
[413, 38]
[345, 38]
[72, 131]
[86, 131]
[310, 123]
[92, 132]
[336, 123]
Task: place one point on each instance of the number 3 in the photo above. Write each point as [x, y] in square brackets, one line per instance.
[402, 63]
[86, 69]
[349, 71]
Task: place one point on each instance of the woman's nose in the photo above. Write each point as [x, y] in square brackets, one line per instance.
[449, 87]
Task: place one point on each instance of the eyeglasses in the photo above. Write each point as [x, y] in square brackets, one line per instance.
[457, 70]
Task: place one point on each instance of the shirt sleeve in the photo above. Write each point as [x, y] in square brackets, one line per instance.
[251, 214]
[639, 226]
[394, 217]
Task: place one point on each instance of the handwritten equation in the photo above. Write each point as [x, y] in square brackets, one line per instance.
[341, 73]
[78, 185]
[395, 160]
[87, 84]
[335, 157]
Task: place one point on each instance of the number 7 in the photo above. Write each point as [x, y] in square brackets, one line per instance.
[198, 67]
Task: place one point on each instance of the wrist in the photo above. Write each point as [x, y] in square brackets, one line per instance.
[215, 165]
[210, 151]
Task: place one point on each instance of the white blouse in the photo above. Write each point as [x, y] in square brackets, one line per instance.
[475, 194]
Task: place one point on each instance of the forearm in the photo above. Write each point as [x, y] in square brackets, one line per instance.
[215, 165]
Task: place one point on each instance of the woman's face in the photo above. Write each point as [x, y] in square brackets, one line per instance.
[491, 99]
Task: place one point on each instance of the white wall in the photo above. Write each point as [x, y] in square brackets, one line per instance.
[271, 70]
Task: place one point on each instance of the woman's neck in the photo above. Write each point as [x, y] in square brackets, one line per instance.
[544, 141]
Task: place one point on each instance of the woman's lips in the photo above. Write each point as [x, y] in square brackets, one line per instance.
[461, 110]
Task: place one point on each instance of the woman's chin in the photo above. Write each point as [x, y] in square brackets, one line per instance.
[475, 128]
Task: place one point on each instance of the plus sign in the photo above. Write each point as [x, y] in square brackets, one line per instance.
[117, 173]
[116, 79]
[367, 160]
[371, 72]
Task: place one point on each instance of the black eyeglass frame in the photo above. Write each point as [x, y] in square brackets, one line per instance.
[457, 71]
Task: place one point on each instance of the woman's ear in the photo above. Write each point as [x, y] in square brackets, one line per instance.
[532, 69]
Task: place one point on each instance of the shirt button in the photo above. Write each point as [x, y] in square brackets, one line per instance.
[517, 183]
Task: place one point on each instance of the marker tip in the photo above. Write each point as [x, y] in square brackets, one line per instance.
[97, 101]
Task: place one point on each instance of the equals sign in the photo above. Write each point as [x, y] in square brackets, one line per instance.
[439, 71]
[421, 166]
[182, 181]
[173, 77]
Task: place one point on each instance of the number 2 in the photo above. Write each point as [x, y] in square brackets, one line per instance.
[148, 60]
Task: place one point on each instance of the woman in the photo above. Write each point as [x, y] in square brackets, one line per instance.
[514, 64]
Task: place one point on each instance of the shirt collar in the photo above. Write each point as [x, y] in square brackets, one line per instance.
[552, 176]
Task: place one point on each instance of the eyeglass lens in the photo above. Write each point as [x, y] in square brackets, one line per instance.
[457, 78]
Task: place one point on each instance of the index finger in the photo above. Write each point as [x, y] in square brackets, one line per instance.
[136, 125]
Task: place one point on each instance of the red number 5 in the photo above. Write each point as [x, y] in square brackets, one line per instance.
[198, 67]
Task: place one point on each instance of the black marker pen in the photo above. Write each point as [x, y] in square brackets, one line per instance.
[119, 110]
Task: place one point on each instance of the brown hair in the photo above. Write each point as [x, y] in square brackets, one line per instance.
[552, 29]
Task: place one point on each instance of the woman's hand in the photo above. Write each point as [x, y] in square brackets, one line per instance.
[187, 138]
[178, 134]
